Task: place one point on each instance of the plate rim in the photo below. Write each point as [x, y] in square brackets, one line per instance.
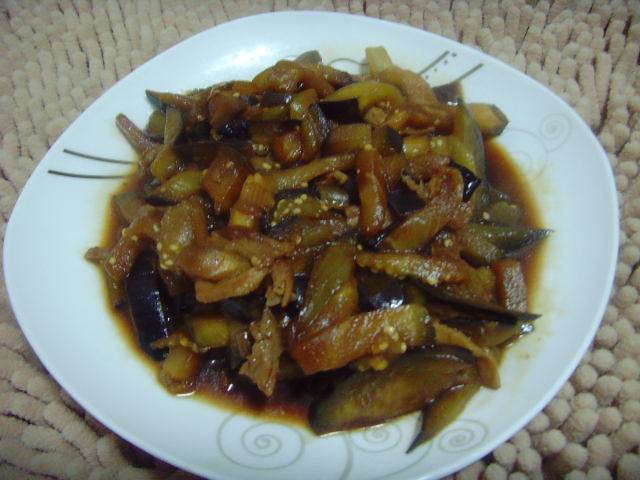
[463, 460]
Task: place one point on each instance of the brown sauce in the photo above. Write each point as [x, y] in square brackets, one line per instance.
[292, 402]
[505, 175]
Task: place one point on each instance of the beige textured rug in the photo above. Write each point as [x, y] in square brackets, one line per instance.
[58, 56]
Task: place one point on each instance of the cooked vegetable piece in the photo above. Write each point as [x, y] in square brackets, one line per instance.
[310, 57]
[483, 331]
[430, 270]
[281, 292]
[137, 138]
[236, 286]
[256, 198]
[179, 187]
[386, 140]
[127, 205]
[236, 129]
[370, 397]
[416, 89]
[468, 149]
[368, 93]
[304, 206]
[208, 263]
[441, 412]
[510, 239]
[173, 126]
[348, 138]
[224, 178]
[372, 190]
[258, 248]
[213, 331]
[263, 362]
[378, 291]
[489, 118]
[450, 93]
[118, 262]
[179, 370]
[275, 99]
[504, 213]
[341, 111]
[301, 102]
[444, 209]
[404, 201]
[496, 311]
[308, 232]
[487, 363]
[202, 153]
[148, 304]
[333, 196]
[471, 182]
[378, 59]
[388, 332]
[175, 100]
[285, 76]
[155, 125]
[313, 79]
[476, 249]
[181, 225]
[287, 148]
[333, 269]
[479, 287]
[314, 130]
[166, 162]
[424, 117]
[337, 78]
[511, 287]
[418, 145]
[300, 176]
[224, 107]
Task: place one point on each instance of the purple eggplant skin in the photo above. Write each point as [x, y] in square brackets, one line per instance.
[341, 111]
[149, 307]
[378, 291]
[275, 99]
[237, 129]
[404, 201]
[469, 179]
[310, 57]
[450, 93]
[395, 140]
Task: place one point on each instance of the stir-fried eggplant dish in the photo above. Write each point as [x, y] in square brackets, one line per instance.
[324, 240]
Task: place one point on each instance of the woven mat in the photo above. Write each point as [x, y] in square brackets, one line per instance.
[58, 56]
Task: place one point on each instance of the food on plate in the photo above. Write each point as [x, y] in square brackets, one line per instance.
[336, 242]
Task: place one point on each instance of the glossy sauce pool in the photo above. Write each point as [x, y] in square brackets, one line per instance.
[292, 403]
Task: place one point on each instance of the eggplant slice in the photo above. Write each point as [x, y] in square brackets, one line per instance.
[149, 308]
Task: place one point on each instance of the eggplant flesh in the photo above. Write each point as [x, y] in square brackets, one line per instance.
[149, 306]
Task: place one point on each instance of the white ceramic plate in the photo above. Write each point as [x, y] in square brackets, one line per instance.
[58, 298]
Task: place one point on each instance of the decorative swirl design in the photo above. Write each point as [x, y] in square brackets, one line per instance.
[554, 130]
[259, 442]
[463, 436]
[377, 439]
[527, 148]
[260, 446]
